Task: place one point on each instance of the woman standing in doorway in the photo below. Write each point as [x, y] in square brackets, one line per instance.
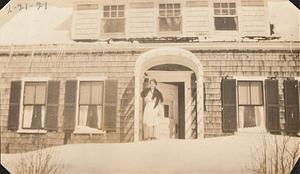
[153, 109]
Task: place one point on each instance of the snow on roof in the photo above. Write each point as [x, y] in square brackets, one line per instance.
[33, 26]
[53, 25]
[286, 19]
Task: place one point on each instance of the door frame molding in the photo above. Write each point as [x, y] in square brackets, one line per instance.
[167, 55]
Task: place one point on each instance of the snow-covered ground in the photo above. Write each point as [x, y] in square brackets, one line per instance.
[230, 154]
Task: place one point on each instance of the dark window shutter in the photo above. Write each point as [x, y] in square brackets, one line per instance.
[272, 105]
[70, 105]
[291, 101]
[110, 106]
[14, 105]
[52, 105]
[229, 112]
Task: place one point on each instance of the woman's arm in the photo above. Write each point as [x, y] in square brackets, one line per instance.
[144, 92]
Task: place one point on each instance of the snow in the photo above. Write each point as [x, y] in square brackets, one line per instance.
[53, 25]
[286, 18]
[34, 26]
[231, 154]
[87, 130]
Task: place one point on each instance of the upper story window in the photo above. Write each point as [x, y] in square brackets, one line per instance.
[225, 16]
[169, 17]
[114, 19]
[90, 104]
[34, 105]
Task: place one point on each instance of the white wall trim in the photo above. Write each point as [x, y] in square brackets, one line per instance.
[250, 78]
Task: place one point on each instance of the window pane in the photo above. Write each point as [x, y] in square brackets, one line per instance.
[84, 93]
[226, 23]
[40, 93]
[106, 14]
[113, 14]
[114, 26]
[29, 93]
[106, 8]
[97, 93]
[83, 110]
[244, 93]
[92, 117]
[217, 5]
[162, 13]
[121, 14]
[232, 12]
[170, 24]
[170, 13]
[27, 116]
[224, 12]
[121, 7]
[177, 6]
[256, 93]
[162, 6]
[217, 12]
[99, 113]
[38, 117]
[224, 5]
[113, 7]
[177, 13]
[170, 6]
[232, 5]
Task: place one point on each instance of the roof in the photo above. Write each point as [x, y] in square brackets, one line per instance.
[53, 25]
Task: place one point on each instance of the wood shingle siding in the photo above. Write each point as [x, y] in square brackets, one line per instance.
[263, 59]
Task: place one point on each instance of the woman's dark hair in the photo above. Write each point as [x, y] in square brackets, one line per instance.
[153, 80]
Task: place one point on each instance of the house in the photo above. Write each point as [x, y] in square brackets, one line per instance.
[76, 75]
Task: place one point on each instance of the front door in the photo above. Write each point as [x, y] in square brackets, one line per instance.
[167, 126]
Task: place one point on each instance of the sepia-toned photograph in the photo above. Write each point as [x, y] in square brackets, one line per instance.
[150, 87]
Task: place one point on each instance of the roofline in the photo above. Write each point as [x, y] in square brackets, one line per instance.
[293, 46]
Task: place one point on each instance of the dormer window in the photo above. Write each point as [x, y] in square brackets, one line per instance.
[225, 16]
[170, 17]
[113, 19]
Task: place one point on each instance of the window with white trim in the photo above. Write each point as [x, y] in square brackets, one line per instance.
[113, 19]
[170, 17]
[250, 103]
[225, 16]
[34, 105]
[90, 104]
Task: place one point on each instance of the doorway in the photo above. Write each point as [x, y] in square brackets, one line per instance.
[175, 87]
[193, 111]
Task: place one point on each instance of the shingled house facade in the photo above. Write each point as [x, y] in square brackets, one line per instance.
[216, 78]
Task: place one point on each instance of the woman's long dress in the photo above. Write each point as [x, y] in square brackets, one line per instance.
[151, 114]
